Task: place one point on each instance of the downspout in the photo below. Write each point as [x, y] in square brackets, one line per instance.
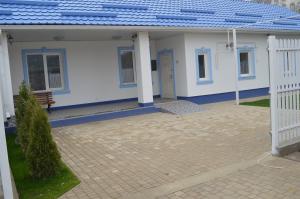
[236, 64]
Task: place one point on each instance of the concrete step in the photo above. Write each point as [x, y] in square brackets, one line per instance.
[179, 107]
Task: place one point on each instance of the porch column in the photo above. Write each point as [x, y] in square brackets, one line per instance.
[143, 69]
[8, 102]
[4, 165]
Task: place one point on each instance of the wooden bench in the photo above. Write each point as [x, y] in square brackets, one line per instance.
[44, 98]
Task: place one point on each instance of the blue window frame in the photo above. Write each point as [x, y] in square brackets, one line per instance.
[127, 68]
[203, 66]
[246, 63]
[46, 69]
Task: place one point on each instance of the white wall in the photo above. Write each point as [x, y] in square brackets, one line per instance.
[223, 67]
[155, 77]
[93, 70]
[177, 44]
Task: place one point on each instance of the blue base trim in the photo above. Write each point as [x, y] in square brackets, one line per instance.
[146, 104]
[205, 99]
[10, 130]
[97, 103]
[102, 117]
[94, 118]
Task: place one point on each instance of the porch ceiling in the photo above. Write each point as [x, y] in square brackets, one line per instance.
[79, 35]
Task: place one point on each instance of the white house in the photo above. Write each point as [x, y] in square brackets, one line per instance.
[102, 51]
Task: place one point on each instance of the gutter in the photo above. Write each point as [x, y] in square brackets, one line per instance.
[142, 28]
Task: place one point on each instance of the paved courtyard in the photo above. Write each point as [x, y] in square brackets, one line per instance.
[220, 152]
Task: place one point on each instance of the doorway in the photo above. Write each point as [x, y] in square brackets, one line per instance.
[167, 74]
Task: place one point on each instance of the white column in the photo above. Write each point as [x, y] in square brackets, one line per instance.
[236, 64]
[272, 61]
[4, 165]
[143, 69]
[8, 101]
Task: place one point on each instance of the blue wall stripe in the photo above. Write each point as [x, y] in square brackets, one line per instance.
[146, 104]
[95, 118]
[205, 99]
[9, 130]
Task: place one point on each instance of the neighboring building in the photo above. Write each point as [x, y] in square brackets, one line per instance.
[291, 4]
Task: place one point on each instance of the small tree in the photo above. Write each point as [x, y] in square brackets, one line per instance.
[42, 155]
[22, 115]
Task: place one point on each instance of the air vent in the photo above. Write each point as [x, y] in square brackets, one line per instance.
[25, 2]
[176, 17]
[285, 23]
[89, 14]
[5, 12]
[198, 11]
[247, 15]
[240, 20]
[119, 6]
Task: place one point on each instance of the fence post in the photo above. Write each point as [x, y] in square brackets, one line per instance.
[273, 87]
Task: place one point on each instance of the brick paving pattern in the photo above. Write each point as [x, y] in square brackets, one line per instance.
[123, 157]
[259, 182]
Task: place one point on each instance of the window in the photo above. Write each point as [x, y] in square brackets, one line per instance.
[203, 64]
[45, 70]
[127, 67]
[246, 63]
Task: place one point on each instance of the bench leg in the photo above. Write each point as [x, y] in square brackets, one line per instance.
[49, 108]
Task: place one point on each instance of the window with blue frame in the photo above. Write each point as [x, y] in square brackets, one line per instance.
[246, 59]
[203, 64]
[127, 67]
[45, 69]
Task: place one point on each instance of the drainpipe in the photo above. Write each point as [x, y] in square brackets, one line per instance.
[236, 64]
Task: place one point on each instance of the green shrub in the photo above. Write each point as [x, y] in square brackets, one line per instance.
[42, 155]
[22, 115]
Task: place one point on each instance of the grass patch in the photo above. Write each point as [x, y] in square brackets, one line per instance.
[29, 188]
[261, 103]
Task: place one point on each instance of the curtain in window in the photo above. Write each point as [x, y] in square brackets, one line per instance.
[127, 67]
[201, 62]
[244, 63]
[54, 73]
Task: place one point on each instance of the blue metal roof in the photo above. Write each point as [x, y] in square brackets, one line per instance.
[168, 13]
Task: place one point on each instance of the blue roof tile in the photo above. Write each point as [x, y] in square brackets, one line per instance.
[221, 14]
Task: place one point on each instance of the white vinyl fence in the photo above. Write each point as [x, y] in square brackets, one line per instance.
[284, 55]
